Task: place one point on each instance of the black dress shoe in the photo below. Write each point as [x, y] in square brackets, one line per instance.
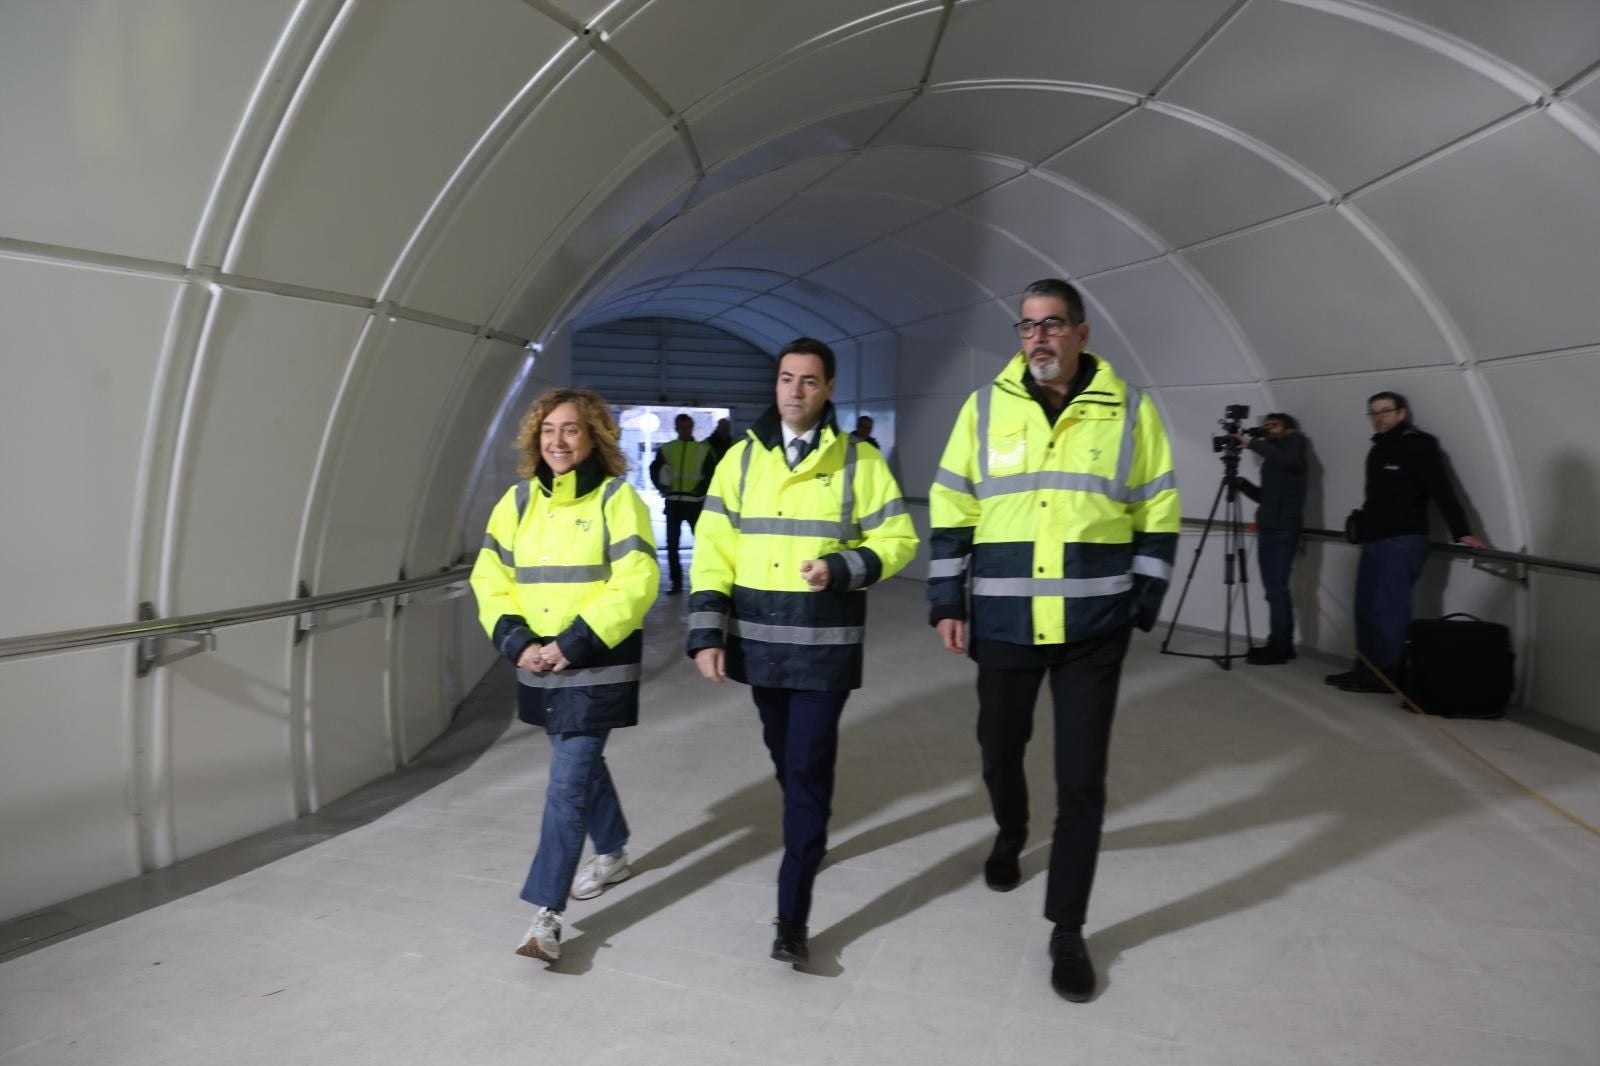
[1001, 871]
[675, 590]
[1362, 684]
[1072, 976]
[1267, 655]
[790, 943]
[1338, 680]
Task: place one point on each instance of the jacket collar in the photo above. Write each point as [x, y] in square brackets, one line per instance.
[576, 483]
[1101, 385]
[768, 429]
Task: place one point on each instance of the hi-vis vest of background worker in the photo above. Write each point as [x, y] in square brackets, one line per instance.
[571, 560]
[1058, 533]
[682, 477]
[841, 506]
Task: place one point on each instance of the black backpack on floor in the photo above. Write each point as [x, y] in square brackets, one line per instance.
[1459, 666]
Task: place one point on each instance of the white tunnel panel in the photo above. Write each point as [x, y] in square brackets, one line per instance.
[126, 118]
[927, 174]
[502, 225]
[1313, 295]
[1126, 44]
[347, 726]
[1180, 338]
[88, 391]
[1505, 232]
[269, 378]
[1323, 90]
[934, 281]
[1029, 124]
[1551, 39]
[1081, 237]
[984, 251]
[887, 59]
[846, 309]
[1547, 407]
[402, 93]
[841, 132]
[383, 452]
[1184, 181]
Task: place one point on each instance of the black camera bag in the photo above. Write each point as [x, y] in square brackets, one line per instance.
[1459, 666]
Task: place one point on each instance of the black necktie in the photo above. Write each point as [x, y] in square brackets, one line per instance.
[798, 448]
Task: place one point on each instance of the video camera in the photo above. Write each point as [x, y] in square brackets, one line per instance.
[1232, 423]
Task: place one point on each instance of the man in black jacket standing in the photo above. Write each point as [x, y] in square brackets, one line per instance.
[1279, 520]
[1405, 470]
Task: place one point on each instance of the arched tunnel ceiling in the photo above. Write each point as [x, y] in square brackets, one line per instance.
[1229, 182]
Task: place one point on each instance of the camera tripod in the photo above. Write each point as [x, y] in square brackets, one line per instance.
[1233, 558]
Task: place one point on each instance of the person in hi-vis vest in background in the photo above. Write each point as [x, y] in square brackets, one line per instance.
[682, 471]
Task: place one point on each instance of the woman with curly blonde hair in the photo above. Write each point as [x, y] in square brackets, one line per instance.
[565, 576]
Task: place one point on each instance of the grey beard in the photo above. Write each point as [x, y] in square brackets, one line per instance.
[1047, 373]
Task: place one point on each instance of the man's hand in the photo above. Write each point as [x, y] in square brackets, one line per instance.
[712, 663]
[816, 574]
[1472, 542]
[953, 631]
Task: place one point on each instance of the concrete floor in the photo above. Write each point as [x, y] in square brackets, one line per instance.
[1289, 874]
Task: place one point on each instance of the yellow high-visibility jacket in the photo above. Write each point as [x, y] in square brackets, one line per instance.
[1056, 533]
[841, 506]
[571, 559]
[682, 469]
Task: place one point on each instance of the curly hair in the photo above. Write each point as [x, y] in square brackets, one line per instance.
[597, 423]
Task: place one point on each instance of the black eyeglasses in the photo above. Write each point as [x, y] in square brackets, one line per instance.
[1053, 326]
[1381, 411]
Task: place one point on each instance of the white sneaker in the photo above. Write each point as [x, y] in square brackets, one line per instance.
[543, 939]
[600, 871]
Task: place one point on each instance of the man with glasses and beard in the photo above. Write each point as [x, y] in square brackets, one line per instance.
[1055, 515]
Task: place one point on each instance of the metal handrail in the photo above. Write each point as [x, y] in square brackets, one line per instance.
[1495, 554]
[192, 624]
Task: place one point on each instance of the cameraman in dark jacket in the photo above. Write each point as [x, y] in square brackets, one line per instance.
[1280, 518]
[1405, 469]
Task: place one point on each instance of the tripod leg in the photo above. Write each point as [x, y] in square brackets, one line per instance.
[1194, 562]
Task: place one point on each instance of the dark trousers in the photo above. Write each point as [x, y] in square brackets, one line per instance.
[1275, 552]
[802, 734]
[1083, 689]
[677, 512]
[1388, 572]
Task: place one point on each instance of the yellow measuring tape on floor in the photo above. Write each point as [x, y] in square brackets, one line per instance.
[1464, 746]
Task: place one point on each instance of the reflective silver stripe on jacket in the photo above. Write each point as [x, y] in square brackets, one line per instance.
[714, 505]
[562, 575]
[953, 481]
[507, 560]
[1076, 587]
[985, 399]
[1150, 489]
[578, 676]
[524, 490]
[622, 547]
[857, 567]
[877, 518]
[1006, 484]
[1150, 566]
[799, 527]
[947, 567]
[796, 634]
[708, 620]
[1130, 420]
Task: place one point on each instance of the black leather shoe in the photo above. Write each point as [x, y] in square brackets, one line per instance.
[1267, 655]
[1001, 871]
[1338, 680]
[790, 943]
[675, 590]
[1362, 684]
[1072, 976]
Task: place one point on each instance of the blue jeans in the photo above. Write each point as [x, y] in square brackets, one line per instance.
[1388, 572]
[579, 802]
[1275, 553]
[801, 730]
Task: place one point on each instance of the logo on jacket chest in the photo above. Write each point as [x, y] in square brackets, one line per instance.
[584, 524]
